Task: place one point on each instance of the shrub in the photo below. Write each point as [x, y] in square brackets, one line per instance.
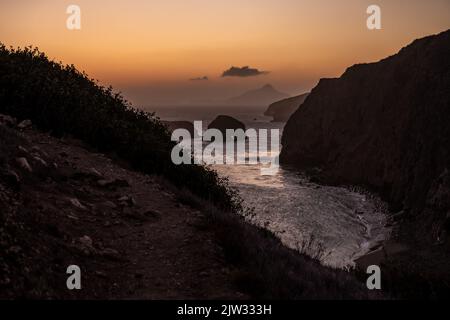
[64, 101]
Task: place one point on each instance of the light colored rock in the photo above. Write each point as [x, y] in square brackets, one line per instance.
[86, 241]
[23, 149]
[23, 163]
[111, 253]
[101, 274]
[25, 124]
[76, 203]
[41, 161]
[94, 172]
[129, 200]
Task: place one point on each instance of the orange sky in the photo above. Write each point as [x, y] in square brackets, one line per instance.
[151, 48]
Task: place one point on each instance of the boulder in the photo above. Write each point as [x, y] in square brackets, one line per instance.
[223, 123]
[127, 201]
[24, 124]
[382, 125]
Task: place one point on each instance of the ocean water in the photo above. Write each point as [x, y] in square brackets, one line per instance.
[338, 222]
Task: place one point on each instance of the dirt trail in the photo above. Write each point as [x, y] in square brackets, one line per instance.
[127, 231]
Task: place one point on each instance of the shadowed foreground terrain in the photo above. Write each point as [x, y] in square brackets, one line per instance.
[133, 235]
[282, 110]
[127, 231]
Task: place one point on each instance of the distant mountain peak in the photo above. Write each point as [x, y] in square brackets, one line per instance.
[263, 96]
[268, 87]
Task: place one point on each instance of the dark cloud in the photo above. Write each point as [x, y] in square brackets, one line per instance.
[242, 72]
[204, 78]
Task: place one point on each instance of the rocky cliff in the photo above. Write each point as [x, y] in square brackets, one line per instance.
[386, 126]
[282, 110]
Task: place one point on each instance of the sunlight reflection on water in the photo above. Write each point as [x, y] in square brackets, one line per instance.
[346, 223]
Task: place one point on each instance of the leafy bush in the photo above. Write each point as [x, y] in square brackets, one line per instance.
[60, 99]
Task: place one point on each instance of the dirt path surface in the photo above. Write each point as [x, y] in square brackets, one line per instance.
[127, 231]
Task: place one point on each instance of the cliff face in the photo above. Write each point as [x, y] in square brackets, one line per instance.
[259, 97]
[385, 125]
[173, 125]
[282, 110]
[61, 203]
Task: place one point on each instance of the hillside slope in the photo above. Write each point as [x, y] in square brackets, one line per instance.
[128, 232]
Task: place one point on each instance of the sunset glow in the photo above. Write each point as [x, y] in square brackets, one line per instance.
[150, 49]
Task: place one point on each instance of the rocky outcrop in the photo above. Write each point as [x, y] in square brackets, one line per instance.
[282, 110]
[226, 122]
[383, 125]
